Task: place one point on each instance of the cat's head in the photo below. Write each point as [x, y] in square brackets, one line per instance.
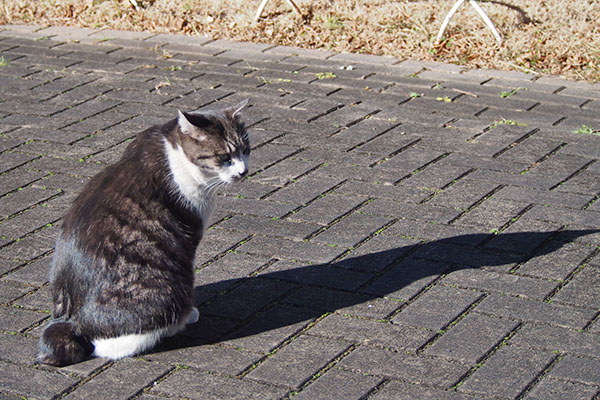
[216, 142]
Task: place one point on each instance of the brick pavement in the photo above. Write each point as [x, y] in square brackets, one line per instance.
[410, 230]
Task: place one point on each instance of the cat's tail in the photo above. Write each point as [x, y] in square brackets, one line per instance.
[61, 345]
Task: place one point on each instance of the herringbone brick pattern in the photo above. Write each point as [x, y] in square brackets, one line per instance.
[409, 230]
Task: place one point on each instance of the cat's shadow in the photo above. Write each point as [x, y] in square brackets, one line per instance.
[249, 306]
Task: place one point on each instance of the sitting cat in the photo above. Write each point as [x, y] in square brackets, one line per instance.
[122, 274]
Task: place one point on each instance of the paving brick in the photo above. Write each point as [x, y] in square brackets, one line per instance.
[471, 256]
[32, 246]
[436, 176]
[424, 232]
[265, 208]
[582, 290]
[216, 242]
[586, 182]
[11, 160]
[348, 169]
[271, 328]
[532, 150]
[75, 167]
[542, 197]
[326, 209]
[564, 216]
[523, 236]
[36, 300]
[387, 143]
[433, 310]
[377, 253]
[123, 379]
[337, 383]
[292, 250]
[489, 333]
[200, 385]
[31, 220]
[323, 300]
[271, 227]
[557, 262]
[577, 369]
[493, 213]
[26, 382]
[13, 319]
[463, 194]
[472, 158]
[496, 100]
[249, 189]
[582, 146]
[381, 191]
[12, 290]
[304, 190]
[324, 275]
[227, 271]
[298, 361]
[422, 212]
[380, 362]
[13, 180]
[18, 349]
[234, 304]
[500, 282]
[552, 389]
[66, 32]
[382, 334]
[500, 76]
[351, 230]
[398, 390]
[406, 279]
[578, 234]
[556, 338]
[534, 311]
[35, 273]
[363, 132]
[207, 358]
[507, 372]
[285, 171]
[8, 264]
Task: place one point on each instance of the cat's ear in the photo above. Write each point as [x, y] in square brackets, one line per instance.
[187, 128]
[234, 111]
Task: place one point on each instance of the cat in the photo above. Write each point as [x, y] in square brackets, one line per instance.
[122, 272]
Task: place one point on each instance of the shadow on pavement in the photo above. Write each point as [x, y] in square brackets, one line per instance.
[244, 309]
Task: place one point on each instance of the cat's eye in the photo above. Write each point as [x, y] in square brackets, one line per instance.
[225, 159]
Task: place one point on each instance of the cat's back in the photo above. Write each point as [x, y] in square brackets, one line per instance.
[123, 186]
[126, 210]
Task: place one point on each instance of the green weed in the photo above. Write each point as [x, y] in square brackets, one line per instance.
[505, 121]
[504, 95]
[587, 130]
[325, 75]
[333, 22]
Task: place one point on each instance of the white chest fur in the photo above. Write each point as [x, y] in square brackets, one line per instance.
[192, 187]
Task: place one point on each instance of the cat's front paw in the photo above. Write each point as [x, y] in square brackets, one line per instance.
[193, 316]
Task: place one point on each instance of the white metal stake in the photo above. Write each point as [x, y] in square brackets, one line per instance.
[263, 3]
[482, 14]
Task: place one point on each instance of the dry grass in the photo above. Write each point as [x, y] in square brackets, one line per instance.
[540, 36]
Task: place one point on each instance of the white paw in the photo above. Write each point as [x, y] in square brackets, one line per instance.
[193, 316]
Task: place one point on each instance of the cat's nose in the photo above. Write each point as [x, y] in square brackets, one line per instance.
[243, 173]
